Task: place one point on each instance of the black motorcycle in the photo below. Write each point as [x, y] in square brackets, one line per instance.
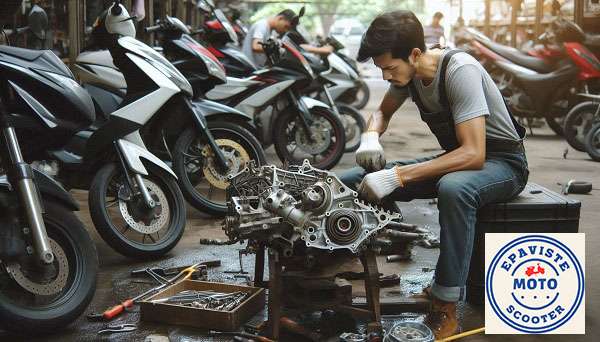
[48, 260]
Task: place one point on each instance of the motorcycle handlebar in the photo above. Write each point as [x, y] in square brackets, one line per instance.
[17, 31]
[151, 29]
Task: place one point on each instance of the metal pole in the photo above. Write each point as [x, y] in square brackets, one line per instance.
[579, 12]
[488, 11]
[513, 23]
[539, 15]
[149, 19]
[75, 28]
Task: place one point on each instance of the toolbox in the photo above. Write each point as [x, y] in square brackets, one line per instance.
[535, 210]
[203, 318]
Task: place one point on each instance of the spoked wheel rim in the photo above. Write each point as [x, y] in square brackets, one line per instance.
[202, 170]
[27, 284]
[129, 214]
[582, 125]
[320, 149]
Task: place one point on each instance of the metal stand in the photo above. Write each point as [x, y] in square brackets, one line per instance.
[372, 312]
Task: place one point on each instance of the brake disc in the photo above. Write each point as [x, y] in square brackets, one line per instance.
[321, 134]
[52, 287]
[156, 224]
[235, 155]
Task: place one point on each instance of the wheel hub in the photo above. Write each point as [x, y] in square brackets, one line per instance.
[320, 131]
[141, 218]
[46, 285]
[236, 157]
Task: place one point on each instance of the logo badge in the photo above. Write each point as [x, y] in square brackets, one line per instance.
[535, 283]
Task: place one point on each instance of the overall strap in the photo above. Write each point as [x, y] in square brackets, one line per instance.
[442, 83]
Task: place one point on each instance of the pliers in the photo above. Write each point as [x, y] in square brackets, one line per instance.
[117, 328]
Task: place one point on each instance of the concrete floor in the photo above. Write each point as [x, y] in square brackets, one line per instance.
[407, 137]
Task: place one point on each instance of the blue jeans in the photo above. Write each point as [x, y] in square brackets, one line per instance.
[460, 194]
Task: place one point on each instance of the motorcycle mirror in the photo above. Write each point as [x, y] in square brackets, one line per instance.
[38, 22]
[302, 11]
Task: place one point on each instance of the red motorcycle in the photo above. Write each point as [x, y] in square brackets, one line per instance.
[546, 86]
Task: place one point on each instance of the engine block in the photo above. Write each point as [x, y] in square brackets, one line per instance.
[272, 205]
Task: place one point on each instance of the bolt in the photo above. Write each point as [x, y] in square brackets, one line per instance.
[29, 250]
[25, 230]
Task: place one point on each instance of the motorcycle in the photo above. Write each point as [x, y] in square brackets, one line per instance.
[202, 177]
[48, 260]
[300, 127]
[580, 119]
[549, 94]
[134, 200]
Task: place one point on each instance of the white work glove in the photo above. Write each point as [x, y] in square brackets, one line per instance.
[377, 185]
[370, 153]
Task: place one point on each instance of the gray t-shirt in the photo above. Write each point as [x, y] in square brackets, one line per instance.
[471, 93]
[259, 30]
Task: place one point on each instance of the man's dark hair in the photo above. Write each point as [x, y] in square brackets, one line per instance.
[397, 32]
[287, 14]
[438, 15]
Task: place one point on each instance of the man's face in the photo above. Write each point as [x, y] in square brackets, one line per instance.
[394, 70]
[282, 25]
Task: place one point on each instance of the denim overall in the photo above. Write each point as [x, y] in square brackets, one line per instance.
[460, 194]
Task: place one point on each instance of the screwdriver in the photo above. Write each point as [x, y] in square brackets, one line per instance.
[128, 303]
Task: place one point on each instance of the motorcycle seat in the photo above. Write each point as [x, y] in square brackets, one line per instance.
[518, 57]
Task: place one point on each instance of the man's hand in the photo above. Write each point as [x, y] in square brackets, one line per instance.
[370, 153]
[377, 185]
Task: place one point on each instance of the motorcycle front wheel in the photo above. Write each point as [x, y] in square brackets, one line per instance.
[126, 223]
[578, 122]
[354, 125]
[36, 298]
[592, 142]
[323, 145]
[202, 182]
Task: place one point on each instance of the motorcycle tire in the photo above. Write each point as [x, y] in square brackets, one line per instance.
[592, 142]
[555, 124]
[362, 95]
[355, 125]
[578, 122]
[124, 236]
[233, 138]
[288, 123]
[20, 310]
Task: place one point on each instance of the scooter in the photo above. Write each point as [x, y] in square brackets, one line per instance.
[135, 202]
[202, 179]
[300, 127]
[48, 261]
[551, 94]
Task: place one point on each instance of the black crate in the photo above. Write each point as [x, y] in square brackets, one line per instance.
[535, 210]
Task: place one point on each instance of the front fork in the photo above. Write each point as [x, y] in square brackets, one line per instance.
[20, 175]
[303, 113]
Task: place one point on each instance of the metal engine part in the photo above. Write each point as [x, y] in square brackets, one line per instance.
[269, 205]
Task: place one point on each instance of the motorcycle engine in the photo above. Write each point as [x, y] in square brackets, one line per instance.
[284, 206]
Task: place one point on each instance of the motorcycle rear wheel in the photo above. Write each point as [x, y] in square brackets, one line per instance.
[32, 302]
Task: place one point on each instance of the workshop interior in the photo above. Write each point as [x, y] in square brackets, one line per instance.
[230, 170]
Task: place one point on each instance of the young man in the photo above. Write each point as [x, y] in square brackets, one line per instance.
[435, 32]
[484, 160]
[261, 31]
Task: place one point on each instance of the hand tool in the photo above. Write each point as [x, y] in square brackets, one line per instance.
[258, 338]
[298, 329]
[169, 271]
[119, 308]
[118, 328]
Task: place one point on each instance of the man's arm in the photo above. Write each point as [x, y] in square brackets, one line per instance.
[469, 156]
[392, 100]
[319, 50]
[256, 47]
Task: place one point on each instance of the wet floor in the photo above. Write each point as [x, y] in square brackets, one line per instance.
[407, 138]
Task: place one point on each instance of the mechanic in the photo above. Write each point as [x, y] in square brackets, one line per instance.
[261, 31]
[484, 159]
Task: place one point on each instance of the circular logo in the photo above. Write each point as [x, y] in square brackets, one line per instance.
[534, 284]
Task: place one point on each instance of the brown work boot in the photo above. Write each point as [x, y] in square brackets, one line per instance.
[441, 319]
